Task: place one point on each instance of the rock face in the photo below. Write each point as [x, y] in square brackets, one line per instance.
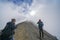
[28, 31]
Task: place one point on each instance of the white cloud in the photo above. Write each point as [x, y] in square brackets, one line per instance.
[7, 13]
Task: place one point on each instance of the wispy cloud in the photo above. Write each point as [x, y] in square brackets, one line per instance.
[19, 2]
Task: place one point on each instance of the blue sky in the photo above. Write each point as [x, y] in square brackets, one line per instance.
[47, 10]
[19, 2]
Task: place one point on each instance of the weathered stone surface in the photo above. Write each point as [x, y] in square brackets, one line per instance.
[28, 31]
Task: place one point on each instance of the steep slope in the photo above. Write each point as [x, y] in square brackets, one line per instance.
[28, 31]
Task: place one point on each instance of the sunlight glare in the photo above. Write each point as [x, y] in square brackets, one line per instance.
[32, 13]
